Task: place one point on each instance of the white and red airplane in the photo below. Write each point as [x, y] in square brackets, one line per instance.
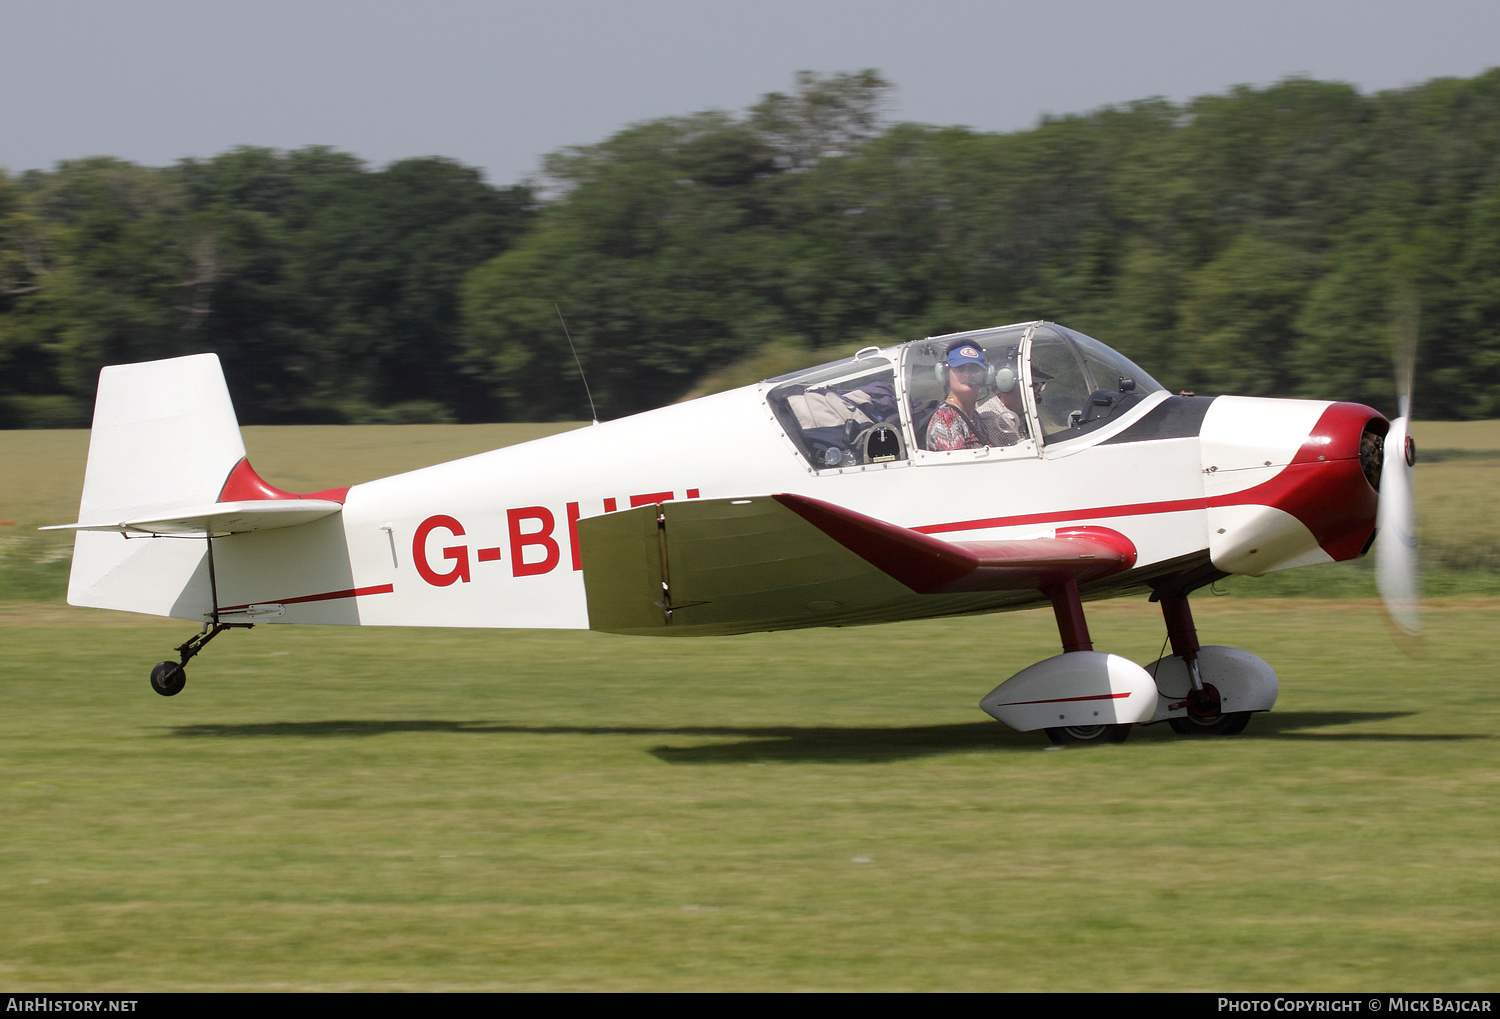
[990, 470]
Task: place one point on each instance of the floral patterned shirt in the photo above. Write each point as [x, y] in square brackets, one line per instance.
[950, 429]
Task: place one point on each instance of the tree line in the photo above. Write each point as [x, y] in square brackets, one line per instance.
[1263, 241]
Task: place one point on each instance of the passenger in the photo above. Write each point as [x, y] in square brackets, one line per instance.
[954, 424]
[1003, 415]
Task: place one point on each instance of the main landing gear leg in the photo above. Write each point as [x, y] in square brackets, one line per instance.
[1205, 714]
[1073, 628]
[169, 677]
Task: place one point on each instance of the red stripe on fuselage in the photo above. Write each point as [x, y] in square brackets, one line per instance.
[1063, 516]
[1065, 700]
[353, 592]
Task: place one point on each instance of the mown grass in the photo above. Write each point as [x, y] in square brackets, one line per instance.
[326, 808]
[380, 809]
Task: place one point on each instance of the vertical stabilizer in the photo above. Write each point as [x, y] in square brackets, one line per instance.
[165, 437]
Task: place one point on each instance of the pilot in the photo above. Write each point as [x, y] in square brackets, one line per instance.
[955, 423]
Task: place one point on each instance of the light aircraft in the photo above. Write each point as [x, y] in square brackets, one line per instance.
[812, 499]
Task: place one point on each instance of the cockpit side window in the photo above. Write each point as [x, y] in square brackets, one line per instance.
[842, 415]
[1000, 410]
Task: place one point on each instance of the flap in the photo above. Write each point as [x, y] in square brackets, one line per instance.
[721, 566]
[786, 561]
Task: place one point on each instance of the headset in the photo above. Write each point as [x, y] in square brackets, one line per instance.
[1001, 378]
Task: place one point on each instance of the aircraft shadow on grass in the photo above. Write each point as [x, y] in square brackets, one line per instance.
[824, 744]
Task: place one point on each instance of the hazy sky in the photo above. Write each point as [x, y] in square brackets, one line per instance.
[497, 84]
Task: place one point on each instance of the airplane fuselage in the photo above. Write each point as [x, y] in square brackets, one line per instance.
[1074, 436]
[492, 540]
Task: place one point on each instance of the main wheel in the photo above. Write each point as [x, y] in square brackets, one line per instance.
[1079, 735]
[1219, 725]
[1205, 716]
[168, 678]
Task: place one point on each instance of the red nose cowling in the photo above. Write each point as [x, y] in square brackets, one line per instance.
[1327, 486]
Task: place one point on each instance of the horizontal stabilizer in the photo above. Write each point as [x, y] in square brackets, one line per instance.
[218, 519]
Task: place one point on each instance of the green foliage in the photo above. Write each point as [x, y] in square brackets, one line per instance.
[662, 256]
[1267, 240]
[827, 116]
[328, 290]
[1254, 242]
[1240, 307]
[97, 254]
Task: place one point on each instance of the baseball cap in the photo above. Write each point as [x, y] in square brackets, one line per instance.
[965, 354]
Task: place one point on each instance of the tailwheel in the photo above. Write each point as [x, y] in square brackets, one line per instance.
[1206, 717]
[168, 678]
[1080, 735]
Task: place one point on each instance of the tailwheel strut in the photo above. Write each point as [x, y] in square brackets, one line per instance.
[169, 677]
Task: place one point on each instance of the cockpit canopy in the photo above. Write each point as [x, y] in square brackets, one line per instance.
[1043, 384]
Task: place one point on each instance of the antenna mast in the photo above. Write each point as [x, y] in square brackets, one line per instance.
[579, 363]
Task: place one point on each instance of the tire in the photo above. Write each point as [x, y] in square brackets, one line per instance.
[1229, 724]
[1085, 735]
[168, 678]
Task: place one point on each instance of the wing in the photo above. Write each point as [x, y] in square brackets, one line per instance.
[787, 561]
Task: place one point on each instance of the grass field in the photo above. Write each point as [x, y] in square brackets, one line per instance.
[382, 809]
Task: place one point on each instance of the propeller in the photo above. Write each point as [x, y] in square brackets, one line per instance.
[1396, 567]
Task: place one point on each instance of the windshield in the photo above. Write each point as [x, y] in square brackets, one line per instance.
[1080, 383]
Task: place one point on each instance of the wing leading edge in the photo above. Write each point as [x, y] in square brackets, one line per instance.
[788, 561]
